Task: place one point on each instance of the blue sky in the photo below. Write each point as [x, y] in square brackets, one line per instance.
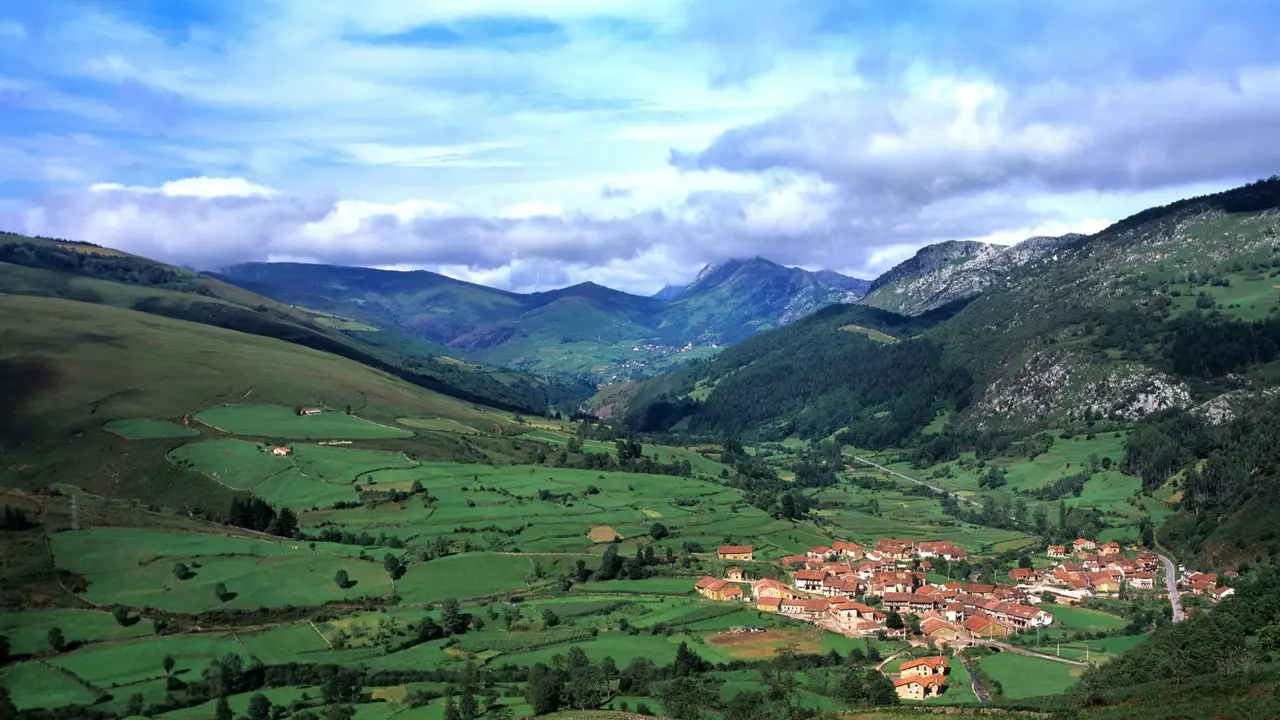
[535, 143]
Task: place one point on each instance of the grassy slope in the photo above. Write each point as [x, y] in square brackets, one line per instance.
[96, 363]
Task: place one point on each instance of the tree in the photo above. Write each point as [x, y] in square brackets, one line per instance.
[181, 571]
[1024, 562]
[341, 579]
[428, 630]
[880, 689]
[748, 705]
[259, 707]
[222, 711]
[657, 531]
[133, 706]
[852, 689]
[121, 614]
[686, 697]
[450, 709]
[452, 618]
[545, 689]
[393, 566]
[220, 591]
[587, 686]
[5, 649]
[340, 712]
[168, 663]
[893, 620]
[285, 524]
[550, 618]
[56, 641]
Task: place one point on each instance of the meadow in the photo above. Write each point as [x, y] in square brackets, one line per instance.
[276, 421]
[147, 429]
[1023, 677]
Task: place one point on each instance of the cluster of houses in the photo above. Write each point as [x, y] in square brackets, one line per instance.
[828, 578]
[921, 678]
[1207, 584]
[1092, 569]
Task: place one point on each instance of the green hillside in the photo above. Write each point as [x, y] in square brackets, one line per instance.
[1173, 310]
[585, 330]
[72, 368]
[92, 274]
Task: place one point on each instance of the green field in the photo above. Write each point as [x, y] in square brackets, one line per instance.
[28, 631]
[135, 567]
[239, 464]
[147, 429]
[282, 422]
[1023, 677]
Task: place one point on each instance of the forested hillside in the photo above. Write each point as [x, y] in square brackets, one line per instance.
[1167, 319]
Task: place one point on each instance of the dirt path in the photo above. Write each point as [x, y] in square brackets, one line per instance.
[888, 660]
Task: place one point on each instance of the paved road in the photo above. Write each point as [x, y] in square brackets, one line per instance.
[1171, 582]
[1028, 652]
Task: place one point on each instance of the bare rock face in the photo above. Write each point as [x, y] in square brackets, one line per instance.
[956, 270]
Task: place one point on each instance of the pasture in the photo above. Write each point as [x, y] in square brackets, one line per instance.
[136, 568]
[147, 429]
[1024, 677]
[28, 631]
[276, 421]
[238, 464]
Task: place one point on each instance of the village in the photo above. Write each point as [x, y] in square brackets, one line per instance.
[885, 591]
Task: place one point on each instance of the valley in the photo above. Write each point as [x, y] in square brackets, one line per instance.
[217, 504]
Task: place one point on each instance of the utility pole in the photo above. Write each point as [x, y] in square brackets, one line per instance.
[75, 512]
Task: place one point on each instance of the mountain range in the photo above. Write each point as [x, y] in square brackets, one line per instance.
[586, 330]
[1169, 319]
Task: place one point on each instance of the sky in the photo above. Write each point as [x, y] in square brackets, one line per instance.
[530, 144]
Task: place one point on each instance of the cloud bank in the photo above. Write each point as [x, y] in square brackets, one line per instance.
[531, 144]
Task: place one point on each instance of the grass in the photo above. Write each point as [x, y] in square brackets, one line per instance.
[147, 429]
[28, 631]
[465, 576]
[276, 421]
[871, 333]
[239, 464]
[33, 685]
[1023, 677]
[135, 568]
[1078, 618]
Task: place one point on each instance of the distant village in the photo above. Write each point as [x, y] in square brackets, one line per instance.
[853, 590]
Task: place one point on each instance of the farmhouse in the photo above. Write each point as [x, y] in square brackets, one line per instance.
[736, 552]
[938, 629]
[924, 667]
[916, 688]
[1057, 551]
[847, 550]
[1142, 580]
[1223, 592]
[1023, 575]
[983, 626]
[717, 589]
[281, 451]
[1109, 548]
[803, 608]
[769, 604]
[810, 580]
[735, 574]
[770, 588]
[820, 552]
[1082, 546]
[310, 411]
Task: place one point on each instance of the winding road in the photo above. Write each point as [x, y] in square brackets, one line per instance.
[1171, 582]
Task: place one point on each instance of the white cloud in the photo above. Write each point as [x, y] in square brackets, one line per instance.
[198, 187]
